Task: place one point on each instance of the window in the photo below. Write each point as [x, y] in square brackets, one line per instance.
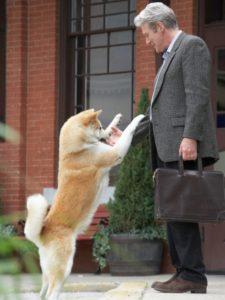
[220, 88]
[103, 39]
[2, 59]
[214, 11]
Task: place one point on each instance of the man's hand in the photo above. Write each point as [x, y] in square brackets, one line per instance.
[116, 134]
[188, 149]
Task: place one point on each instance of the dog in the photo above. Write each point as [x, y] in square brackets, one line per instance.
[84, 165]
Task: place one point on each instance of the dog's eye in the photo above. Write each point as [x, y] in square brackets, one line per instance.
[100, 127]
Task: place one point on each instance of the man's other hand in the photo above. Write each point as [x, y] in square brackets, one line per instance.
[116, 134]
[188, 149]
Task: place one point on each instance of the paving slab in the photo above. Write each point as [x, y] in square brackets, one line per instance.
[107, 287]
[133, 290]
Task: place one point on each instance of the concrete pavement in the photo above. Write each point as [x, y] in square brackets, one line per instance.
[106, 287]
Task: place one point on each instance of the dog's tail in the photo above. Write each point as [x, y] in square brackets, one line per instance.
[37, 207]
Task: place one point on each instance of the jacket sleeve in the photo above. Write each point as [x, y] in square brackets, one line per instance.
[196, 76]
[141, 131]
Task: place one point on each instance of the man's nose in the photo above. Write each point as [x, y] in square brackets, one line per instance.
[147, 41]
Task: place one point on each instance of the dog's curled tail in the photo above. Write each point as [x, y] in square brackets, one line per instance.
[37, 207]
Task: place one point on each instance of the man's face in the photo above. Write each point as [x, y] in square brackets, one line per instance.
[155, 39]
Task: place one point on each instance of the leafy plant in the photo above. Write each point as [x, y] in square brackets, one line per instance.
[101, 246]
[16, 253]
[132, 210]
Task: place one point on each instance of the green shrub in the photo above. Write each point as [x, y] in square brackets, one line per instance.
[132, 210]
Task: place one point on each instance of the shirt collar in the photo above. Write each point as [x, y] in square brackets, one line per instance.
[173, 41]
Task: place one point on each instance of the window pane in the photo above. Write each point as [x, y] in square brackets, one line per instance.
[94, 1]
[132, 5]
[220, 89]
[112, 93]
[98, 40]
[221, 81]
[96, 10]
[98, 60]
[121, 37]
[116, 21]
[96, 23]
[120, 59]
[77, 25]
[221, 92]
[132, 16]
[214, 11]
[117, 7]
[221, 60]
[220, 120]
[74, 9]
[80, 62]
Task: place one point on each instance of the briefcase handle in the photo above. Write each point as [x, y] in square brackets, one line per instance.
[181, 165]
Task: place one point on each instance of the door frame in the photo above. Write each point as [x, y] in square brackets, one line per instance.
[213, 235]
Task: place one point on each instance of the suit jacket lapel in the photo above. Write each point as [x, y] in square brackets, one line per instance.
[166, 65]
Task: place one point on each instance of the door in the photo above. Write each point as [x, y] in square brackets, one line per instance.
[2, 59]
[212, 30]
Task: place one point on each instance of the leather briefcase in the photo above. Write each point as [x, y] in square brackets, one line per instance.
[189, 195]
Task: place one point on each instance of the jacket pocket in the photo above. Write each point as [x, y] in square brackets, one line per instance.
[178, 121]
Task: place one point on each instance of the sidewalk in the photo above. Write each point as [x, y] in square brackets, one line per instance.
[107, 287]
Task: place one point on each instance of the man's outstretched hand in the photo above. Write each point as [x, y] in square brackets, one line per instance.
[116, 134]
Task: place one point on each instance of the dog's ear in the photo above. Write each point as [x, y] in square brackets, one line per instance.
[88, 110]
[89, 117]
[98, 112]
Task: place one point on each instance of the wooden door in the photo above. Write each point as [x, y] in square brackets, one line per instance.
[212, 30]
[2, 59]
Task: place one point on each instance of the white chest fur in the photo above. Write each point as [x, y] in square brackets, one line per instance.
[101, 186]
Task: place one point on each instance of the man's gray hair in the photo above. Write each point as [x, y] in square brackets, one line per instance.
[156, 12]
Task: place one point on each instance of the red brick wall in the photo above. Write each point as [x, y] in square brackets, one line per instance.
[41, 95]
[31, 94]
[12, 156]
[186, 12]
[145, 60]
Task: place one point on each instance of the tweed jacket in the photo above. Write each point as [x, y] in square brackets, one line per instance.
[181, 106]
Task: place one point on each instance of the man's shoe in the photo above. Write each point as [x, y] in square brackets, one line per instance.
[162, 283]
[179, 285]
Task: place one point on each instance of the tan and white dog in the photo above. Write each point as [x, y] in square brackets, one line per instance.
[84, 165]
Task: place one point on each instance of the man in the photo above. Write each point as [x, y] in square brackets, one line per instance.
[180, 122]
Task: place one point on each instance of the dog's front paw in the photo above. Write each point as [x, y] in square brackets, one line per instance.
[116, 120]
[135, 122]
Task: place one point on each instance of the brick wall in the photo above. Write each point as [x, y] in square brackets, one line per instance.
[186, 12]
[41, 95]
[31, 93]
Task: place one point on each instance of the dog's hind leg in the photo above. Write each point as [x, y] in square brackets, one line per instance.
[57, 279]
[44, 287]
[54, 287]
[59, 265]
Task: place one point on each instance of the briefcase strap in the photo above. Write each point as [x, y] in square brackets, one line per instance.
[181, 165]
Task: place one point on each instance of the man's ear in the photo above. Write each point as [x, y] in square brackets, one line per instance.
[160, 27]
